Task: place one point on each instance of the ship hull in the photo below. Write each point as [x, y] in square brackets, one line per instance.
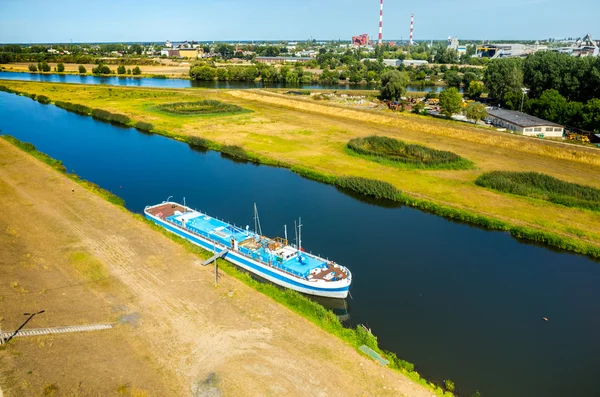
[335, 289]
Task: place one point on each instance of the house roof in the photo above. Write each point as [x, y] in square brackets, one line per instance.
[520, 119]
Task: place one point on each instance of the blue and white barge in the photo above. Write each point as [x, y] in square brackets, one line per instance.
[272, 259]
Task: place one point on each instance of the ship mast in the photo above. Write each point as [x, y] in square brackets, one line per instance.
[257, 228]
[300, 233]
[285, 231]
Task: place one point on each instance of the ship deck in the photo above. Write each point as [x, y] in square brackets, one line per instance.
[249, 243]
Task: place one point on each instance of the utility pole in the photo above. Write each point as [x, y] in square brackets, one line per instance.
[525, 91]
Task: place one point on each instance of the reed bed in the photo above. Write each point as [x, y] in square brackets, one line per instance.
[393, 151]
[543, 187]
[368, 187]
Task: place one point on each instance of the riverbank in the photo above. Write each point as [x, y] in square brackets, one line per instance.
[310, 138]
[170, 71]
[229, 338]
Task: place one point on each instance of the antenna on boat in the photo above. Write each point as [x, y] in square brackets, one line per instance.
[300, 233]
[285, 231]
[184, 204]
[257, 228]
[296, 233]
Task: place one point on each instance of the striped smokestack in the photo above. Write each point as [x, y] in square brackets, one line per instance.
[380, 41]
[412, 24]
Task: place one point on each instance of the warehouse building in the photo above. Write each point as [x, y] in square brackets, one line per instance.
[282, 59]
[525, 124]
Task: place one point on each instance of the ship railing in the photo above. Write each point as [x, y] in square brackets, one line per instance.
[205, 235]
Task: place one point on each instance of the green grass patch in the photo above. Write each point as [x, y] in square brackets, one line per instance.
[89, 267]
[543, 187]
[395, 152]
[203, 107]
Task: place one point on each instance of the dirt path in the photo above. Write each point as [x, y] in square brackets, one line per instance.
[179, 334]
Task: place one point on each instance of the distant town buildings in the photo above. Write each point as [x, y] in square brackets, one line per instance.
[360, 40]
[525, 124]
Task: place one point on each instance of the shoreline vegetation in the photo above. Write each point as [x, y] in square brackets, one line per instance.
[312, 311]
[543, 187]
[395, 152]
[371, 187]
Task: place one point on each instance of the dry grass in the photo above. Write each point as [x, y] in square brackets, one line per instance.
[313, 135]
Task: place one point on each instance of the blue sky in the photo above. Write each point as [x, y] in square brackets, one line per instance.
[203, 20]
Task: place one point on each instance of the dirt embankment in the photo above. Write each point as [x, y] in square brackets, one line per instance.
[83, 260]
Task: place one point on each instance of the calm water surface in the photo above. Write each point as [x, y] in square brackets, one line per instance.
[462, 303]
[181, 83]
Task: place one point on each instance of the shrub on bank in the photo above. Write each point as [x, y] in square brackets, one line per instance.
[143, 126]
[101, 114]
[74, 107]
[369, 187]
[390, 150]
[110, 117]
[543, 187]
[43, 99]
[119, 119]
[237, 152]
[198, 142]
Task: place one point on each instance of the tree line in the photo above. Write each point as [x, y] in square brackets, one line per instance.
[561, 88]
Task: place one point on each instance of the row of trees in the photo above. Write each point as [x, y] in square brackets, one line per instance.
[561, 88]
[104, 70]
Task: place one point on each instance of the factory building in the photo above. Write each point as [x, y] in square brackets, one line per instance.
[525, 124]
[454, 44]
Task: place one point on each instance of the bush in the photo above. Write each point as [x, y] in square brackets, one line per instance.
[198, 142]
[60, 68]
[369, 187]
[74, 107]
[82, 69]
[200, 107]
[390, 150]
[235, 151]
[143, 126]
[43, 99]
[101, 69]
[543, 187]
[137, 71]
[33, 68]
[121, 69]
[101, 114]
[449, 385]
[119, 119]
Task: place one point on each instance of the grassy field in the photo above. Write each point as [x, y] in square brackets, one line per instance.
[312, 136]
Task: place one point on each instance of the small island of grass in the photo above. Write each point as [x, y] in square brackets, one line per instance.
[395, 152]
[544, 187]
[203, 107]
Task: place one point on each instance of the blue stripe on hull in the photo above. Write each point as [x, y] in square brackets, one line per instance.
[255, 268]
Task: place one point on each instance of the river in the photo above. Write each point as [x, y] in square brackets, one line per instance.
[460, 302]
[182, 83]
